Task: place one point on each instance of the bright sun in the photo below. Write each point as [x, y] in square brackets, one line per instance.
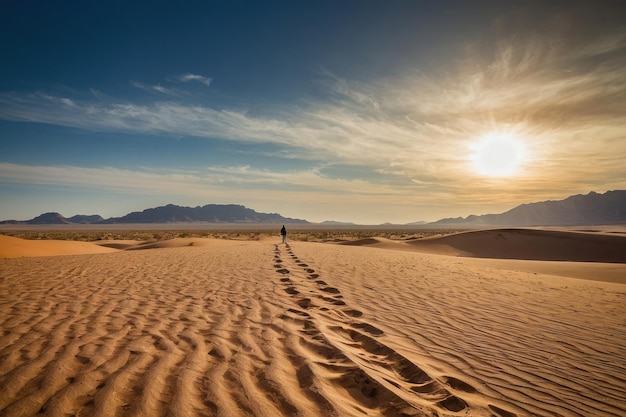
[498, 155]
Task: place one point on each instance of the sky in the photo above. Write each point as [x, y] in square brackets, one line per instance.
[360, 111]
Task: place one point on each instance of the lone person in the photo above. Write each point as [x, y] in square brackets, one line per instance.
[283, 233]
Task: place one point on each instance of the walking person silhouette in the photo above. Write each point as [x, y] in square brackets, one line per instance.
[283, 233]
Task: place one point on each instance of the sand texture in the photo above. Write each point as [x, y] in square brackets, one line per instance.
[209, 328]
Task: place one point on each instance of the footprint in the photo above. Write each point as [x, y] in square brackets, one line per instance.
[313, 276]
[298, 312]
[353, 313]
[453, 403]
[500, 412]
[282, 271]
[331, 290]
[294, 318]
[366, 327]
[304, 303]
[83, 359]
[459, 385]
[332, 301]
[292, 290]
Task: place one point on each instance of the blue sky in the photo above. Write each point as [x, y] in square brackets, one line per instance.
[357, 111]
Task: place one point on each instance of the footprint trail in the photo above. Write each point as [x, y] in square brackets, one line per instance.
[355, 351]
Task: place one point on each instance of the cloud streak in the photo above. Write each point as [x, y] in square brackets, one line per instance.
[158, 181]
[195, 77]
[155, 88]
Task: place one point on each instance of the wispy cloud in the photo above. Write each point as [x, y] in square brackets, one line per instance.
[168, 181]
[155, 88]
[171, 91]
[195, 77]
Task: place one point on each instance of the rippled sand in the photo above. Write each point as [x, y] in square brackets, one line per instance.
[212, 328]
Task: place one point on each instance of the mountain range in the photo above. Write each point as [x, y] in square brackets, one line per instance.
[212, 213]
[589, 209]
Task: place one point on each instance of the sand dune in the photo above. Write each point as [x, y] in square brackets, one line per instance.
[529, 244]
[185, 242]
[305, 329]
[545, 245]
[13, 247]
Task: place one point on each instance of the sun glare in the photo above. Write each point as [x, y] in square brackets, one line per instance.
[498, 155]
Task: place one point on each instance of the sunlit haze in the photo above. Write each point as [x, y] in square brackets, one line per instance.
[359, 111]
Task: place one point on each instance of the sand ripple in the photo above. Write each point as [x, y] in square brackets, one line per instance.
[303, 330]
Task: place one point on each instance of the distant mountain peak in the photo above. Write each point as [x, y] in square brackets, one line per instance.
[336, 223]
[49, 218]
[85, 218]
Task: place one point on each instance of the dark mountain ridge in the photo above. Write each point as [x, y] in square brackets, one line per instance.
[85, 218]
[589, 209]
[210, 213]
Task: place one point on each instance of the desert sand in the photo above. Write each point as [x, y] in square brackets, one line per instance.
[449, 326]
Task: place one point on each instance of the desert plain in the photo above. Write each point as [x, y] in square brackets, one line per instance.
[500, 322]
